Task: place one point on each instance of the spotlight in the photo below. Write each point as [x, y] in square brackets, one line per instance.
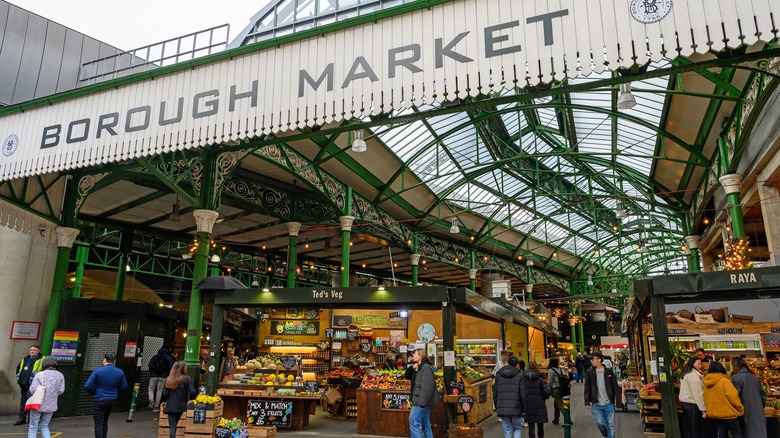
[255, 283]
[403, 314]
[215, 258]
[626, 99]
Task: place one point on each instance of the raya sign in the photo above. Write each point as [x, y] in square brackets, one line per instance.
[454, 50]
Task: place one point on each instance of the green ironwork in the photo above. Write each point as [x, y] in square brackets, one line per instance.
[292, 260]
[82, 253]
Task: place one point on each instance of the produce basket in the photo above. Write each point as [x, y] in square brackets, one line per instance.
[469, 430]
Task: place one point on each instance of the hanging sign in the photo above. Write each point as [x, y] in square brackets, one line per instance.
[269, 413]
[771, 341]
[64, 347]
[394, 401]
[288, 362]
[295, 327]
[372, 321]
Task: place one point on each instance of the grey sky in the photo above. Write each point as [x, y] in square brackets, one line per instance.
[132, 24]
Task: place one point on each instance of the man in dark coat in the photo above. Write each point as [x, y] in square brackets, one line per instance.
[602, 395]
[506, 398]
[534, 390]
[159, 367]
[579, 363]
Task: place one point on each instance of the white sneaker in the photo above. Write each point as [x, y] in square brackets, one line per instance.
[499, 418]
[525, 424]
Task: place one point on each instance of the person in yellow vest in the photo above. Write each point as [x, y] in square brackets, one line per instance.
[25, 372]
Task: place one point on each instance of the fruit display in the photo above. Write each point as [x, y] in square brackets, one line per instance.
[769, 373]
[385, 380]
[471, 374]
[260, 379]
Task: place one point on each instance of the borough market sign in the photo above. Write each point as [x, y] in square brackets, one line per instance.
[446, 51]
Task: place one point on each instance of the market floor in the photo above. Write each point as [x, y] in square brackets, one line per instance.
[145, 425]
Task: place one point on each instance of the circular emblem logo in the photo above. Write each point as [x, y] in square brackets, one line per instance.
[650, 11]
[10, 144]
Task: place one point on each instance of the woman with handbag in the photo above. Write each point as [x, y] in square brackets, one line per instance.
[46, 388]
[177, 392]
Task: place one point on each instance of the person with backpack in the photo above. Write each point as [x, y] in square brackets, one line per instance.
[534, 390]
[159, 367]
[560, 384]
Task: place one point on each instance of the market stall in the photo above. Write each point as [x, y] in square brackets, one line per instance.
[672, 342]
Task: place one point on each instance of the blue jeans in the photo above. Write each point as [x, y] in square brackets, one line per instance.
[420, 422]
[605, 418]
[513, 426]
[39, 420]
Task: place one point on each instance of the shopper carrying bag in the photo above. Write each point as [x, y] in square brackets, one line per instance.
[47, 386]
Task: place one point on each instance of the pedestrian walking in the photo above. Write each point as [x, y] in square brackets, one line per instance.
[602, 395]
[558, 379]
[579, 363]
[178, 391]
[105, 383]
[692, 398]
[753, 398]
[159, 367]
[507, 400]
[534, 390]
[25, 371]
[722, 401]
[54, 382]
[424, 395]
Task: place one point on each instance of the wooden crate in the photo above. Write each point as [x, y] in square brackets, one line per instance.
[212, 411]
[469, 430]
[206, 428]
[164, 432]
[262, 431]
[164, 418]
[199, 435]
[482, 409]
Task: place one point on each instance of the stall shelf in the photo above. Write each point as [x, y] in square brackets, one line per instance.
[378, 418]
[485, 352]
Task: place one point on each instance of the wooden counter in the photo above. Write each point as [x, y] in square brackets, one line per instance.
[374, 419]
[303, 407]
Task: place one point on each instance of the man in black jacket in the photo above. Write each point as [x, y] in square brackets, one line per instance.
[159, 367]
[602, 395]
[506, 397]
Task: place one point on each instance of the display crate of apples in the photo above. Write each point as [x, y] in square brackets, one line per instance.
[345, 376]
[385, 379]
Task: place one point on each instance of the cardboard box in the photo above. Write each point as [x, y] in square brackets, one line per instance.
[333, 396]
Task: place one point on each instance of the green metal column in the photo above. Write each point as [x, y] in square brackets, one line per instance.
[665, 380]
[125, 246]
[65, 238]
[415, 261]
[212, 373]
[731, 183]
[472, 270]
[346, 230]
[204, 219]
[82, 254]
[292, 260]
[692, 243]
[580, 330]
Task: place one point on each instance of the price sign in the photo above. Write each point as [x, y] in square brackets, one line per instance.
[269, 413]
[312, 386]
[199, 414]
[483, 393]
[222, 432]
[771, 342]
[457, 388]
[466, 402]
[288, 362]
[394, 401]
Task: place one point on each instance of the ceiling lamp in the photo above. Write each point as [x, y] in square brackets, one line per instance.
[454, 229]
[215, 258]
[590, 280]
[642, 247]
[529, 262]
[626, 99]
[255, 283]
[614, 291]
[619, 212]
[174, 216]
[574, 320]
[358, 144]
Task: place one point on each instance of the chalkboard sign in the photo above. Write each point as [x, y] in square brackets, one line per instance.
[457, 388]
[312, 386]
[269, 413]
[288, 362]
[365, 347]
[222, 432]
[466, 402]
[394, 401]
[352, 335]
[199, 414]
[482, 393]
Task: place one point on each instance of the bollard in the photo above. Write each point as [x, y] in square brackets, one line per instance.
[566, 417]
[131, 414]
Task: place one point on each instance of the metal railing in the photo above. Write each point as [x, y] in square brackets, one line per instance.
[168, 52]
